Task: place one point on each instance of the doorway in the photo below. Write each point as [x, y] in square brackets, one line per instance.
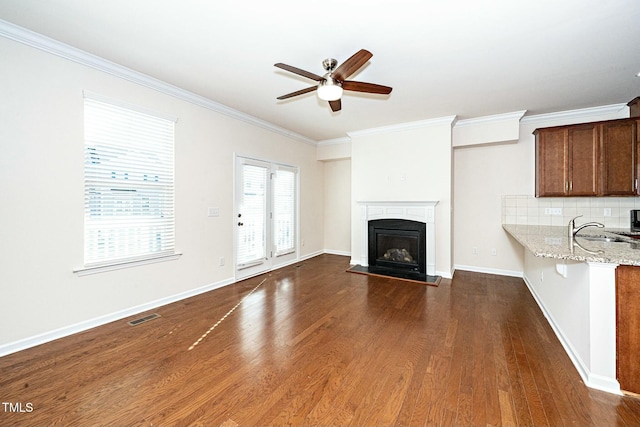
[266, 216]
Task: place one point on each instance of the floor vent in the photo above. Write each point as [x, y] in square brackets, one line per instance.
[147, 318]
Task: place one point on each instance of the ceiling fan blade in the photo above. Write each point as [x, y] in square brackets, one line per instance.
[298, 71]
[365, 87]
[352, 64]
[335, 105]
[298, 92]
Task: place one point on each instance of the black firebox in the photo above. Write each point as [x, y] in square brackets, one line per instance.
[398, 244]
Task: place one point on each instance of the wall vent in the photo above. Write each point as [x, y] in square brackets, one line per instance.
[146, 318]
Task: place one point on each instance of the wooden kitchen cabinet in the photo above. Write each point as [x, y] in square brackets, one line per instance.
[619, 157]
[584, 160]
[628, 327]
[590, 159]
[567, 161]
[552, 157]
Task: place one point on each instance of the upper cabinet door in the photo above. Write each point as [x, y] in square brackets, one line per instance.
[584, 160]
[619, 150]
[552, 171]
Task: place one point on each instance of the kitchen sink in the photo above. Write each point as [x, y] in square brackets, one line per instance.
[603, 239]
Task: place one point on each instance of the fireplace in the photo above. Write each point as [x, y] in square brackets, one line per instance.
[397, 239]
[398, 244]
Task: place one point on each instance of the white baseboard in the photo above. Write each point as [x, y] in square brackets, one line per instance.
[334, 252]
[591, 380]
[309, 255]
[65, 331]
[445, 274]
[486, 270]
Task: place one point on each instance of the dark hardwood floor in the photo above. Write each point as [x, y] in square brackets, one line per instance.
[312, 344]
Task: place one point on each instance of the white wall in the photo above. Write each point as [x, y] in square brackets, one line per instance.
[482, 174]
[564, 300]
[41, 207]
[410, 163]
[337, 206]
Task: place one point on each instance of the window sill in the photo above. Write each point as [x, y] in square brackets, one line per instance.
[85, 271]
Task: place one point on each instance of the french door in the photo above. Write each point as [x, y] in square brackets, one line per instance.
[266, 217]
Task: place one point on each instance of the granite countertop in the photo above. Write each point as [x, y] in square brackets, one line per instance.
[553, 242]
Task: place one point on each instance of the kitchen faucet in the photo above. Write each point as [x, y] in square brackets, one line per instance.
[572, 230]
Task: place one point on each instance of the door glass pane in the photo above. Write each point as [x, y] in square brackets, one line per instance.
[284, 211]
[251, 234]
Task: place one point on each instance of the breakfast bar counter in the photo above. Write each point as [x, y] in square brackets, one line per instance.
[554, 242]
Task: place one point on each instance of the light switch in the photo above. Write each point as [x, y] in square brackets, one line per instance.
[213, 212]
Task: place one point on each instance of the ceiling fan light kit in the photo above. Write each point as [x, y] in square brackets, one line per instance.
[329, 89]
[330, 86]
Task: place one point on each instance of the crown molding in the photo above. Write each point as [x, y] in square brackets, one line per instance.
[439, 121]
[516, 115]
[334, 141]
[575, 114]
[54, 47]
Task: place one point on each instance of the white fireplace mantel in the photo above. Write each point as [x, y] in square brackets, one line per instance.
[421, 211]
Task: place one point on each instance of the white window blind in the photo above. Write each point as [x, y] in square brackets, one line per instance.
[128, 184]
[284, 210]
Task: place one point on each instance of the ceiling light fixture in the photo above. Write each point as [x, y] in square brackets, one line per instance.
[329, 89]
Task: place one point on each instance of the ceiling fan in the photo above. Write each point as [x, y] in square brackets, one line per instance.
[331, 85]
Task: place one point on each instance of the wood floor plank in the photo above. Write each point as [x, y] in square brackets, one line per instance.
[506, 408]
[534, 404]
[311, 344]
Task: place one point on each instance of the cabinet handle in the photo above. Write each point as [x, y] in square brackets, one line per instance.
[566, 186]
[570, 185]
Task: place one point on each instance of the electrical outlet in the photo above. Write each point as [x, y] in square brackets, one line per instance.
[212, 212]
[221, 261]
[474, 250]
[494, 252]
[607, 212]
[553, 211]
[556, 241]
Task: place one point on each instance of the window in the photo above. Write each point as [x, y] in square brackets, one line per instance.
[128, 183]
[284, 210]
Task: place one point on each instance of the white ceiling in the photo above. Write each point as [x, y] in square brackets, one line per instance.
[468, 58]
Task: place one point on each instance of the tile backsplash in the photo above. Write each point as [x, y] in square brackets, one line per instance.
[613, 212]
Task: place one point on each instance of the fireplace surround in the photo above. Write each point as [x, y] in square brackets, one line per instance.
[407, 213]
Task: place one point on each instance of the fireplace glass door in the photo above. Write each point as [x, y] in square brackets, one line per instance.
[398, 249]
[397, 244]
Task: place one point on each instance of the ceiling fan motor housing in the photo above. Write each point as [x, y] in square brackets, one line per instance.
[329, 64]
